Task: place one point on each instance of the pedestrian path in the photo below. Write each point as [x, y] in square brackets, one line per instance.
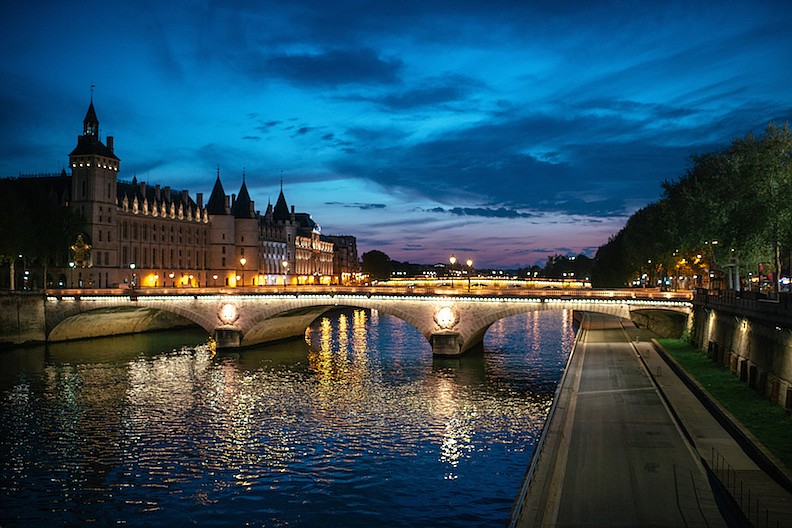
[628, 444]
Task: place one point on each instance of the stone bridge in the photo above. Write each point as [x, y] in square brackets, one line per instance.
[451, 323]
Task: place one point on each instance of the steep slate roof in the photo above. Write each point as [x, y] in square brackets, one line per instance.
[281, 212]
[134, 190]
[243, 205]
[216, 203]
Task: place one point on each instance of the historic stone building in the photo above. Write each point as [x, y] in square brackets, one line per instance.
[139, 235]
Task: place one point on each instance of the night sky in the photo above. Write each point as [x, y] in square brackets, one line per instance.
[498, 131]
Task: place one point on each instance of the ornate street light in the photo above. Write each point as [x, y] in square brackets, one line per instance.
[71, 273]
[285, 271]
[134, 277]
[243, 261]
[470, 271]
[453, 261]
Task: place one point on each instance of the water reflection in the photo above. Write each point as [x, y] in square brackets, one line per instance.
[357, 425]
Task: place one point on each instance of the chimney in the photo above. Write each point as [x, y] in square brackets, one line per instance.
[233, 199]
[110, 143]
[185, 196]
[166, 190]
[227, 201]
[292, 210]
[199, 199]
[157, 192]
[143, 189]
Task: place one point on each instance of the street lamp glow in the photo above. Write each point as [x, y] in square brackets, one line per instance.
[452, 260]
[243, 261]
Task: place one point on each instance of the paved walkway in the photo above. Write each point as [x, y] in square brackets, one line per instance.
[614, 455]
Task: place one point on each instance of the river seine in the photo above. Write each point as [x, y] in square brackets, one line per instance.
[357, 426]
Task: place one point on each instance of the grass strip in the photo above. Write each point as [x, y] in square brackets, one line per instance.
[768, 422]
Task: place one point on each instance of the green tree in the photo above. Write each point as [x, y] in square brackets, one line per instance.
[377, 264]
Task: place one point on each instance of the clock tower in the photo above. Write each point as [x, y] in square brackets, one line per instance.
[94, 168]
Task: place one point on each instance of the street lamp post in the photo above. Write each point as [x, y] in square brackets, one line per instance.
[134, 277]
[243, 261]
[470, 270]
[156, 281]
[71, 273]
[285, 271]
[214, 277]
[453, 261]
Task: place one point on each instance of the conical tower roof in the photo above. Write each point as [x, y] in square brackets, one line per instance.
[243, 206]
[216, 203]
[281, 211]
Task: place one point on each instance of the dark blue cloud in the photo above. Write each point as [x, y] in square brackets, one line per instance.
[363, 206]
[333, 68]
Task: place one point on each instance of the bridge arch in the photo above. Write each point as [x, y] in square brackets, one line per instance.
[81, 323]
[275, 324]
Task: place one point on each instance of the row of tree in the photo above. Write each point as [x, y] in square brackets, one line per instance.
[379, 266]
[731, 209]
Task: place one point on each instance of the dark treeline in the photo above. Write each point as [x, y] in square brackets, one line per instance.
[728, 216]
[36, 229]
[379, 266]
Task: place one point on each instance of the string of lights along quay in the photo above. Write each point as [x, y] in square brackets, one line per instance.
[357, 425]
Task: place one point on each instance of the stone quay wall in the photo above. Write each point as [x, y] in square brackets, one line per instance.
[21, 318]
[750, 335]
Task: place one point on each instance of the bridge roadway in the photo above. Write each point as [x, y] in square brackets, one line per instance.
[451, 320]
[627, 445]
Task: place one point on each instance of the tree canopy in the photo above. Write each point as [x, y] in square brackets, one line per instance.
[731, 208]
[377, 264]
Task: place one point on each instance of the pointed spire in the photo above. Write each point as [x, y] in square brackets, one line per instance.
[91, 122]
[281, 211]
[216, 203]
[243, 205]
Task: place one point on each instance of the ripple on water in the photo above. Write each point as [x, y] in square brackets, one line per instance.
[359, 427]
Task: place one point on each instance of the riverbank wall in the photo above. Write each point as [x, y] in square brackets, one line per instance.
[751, 337]
[22, 318]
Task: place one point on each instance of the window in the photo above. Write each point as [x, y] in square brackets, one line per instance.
[223, 250]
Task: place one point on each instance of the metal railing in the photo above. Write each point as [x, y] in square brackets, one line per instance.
[754, 510]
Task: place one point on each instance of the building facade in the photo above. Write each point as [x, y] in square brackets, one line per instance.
[139, 235]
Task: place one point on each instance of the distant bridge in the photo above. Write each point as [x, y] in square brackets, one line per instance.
[239, 317]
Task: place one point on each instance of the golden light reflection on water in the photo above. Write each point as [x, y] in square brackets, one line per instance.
[364, 415]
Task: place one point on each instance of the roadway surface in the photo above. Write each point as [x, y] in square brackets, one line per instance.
[614, 454]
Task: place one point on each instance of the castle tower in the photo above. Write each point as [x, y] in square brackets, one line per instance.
[94, 168]
[247, 237]
[221, 236]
